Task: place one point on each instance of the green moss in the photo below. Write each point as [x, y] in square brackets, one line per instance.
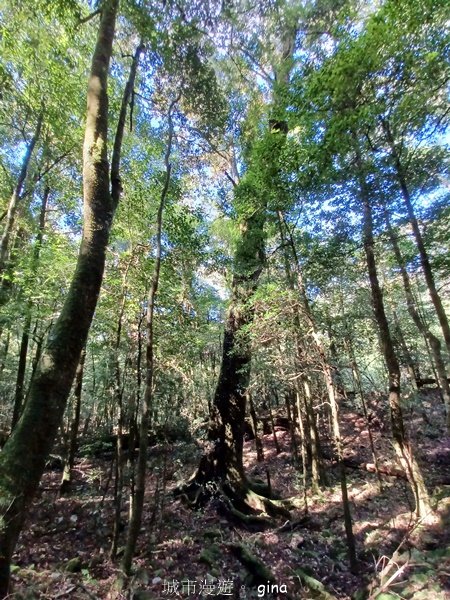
[210, 555]
[212, 534]
[73, 565]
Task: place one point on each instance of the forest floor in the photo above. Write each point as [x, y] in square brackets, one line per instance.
[64, 551]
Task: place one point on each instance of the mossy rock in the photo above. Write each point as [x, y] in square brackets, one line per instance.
[258, 573]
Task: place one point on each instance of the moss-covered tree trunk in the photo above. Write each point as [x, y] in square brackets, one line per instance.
[226, 428]
[23, 458]
[222, 462]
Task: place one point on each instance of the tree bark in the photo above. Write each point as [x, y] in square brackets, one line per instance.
[22, 461]
[15, 198]
[424, 258]
[400, 438]
[254, 418]
[74, 427]
[226, 428]
[146, 408]
[433, 341]
[358, 384]
[222, 462]
[21, 369]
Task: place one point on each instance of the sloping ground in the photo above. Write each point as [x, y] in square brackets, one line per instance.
[64, 553]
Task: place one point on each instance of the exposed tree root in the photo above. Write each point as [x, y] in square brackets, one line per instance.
[293, 525]
[370, 467]
[259, 573]
[315, 587]
[238, 501]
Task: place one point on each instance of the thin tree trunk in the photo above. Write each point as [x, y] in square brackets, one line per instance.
[21, 369]
[358, 383]
[118, 474]
[118, 402]
[133, 429]
[22, 460]
[146, 409]
[419, 322]
[296, 285]
[405, 351]
[290, 415]
[15, 198]
[74, 427]
[318, 477]
[424, 258]
[304, 450]
[400, 439]
[254, 418]
[274, 433]
[5, 350]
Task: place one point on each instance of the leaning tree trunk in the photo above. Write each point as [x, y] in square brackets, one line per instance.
[22, 461]
[419, 322]
[15, 198]
[424, 258]
[400, 439]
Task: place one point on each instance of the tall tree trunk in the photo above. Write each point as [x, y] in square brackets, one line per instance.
[226, 428]
[118, 404]
[404, 351]
[22, 460]
[419, 322]
[15, 198]
[424, 259]
[21, 369]
[295, 282]
[318, 477]
[146, 408]
[400, 438]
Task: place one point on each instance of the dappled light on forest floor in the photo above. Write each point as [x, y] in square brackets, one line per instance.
[66, 549]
